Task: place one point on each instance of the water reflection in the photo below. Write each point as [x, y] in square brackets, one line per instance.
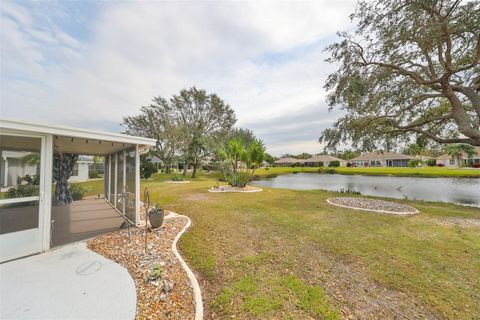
[453, 190]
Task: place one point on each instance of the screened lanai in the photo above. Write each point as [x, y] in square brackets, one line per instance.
[37, 210]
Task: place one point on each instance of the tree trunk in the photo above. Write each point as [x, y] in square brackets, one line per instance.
[194, 172]
[185, 166]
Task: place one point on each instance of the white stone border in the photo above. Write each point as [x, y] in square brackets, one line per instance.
[220, 190]
[177, 182]
[196, 287]
[400, 213]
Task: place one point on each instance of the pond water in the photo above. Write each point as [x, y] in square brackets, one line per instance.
[454, 190]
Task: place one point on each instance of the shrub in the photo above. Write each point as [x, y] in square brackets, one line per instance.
[334, 163]
[476, 165]
[147, 167]
[414, 163]
[93, 173]
[431, 162]
[321, 164]
[22, 191]
[348, 191]
[349, 164]
[178, 178]
[440, 165]
[77, 191]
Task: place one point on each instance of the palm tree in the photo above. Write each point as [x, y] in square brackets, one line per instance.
[457, 149]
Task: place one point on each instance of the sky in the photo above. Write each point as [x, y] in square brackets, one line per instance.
[89, 63]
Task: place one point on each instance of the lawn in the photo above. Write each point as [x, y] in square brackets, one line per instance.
[288, 254]
[379, 171]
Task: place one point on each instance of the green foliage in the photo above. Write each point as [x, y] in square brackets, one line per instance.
[78, 191]
[431, 162]
[178, 178]
[456, 151]
[415, 163]
[147, 167]
[269, 158]
[156, 272]
[27, 186]
[409, 69]
[334, 163]
[240, 161]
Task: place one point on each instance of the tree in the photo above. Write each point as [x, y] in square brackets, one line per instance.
[239, 162]
[269, 158]
[456, 151]
[154, 122]
[347, 154]
[184, 126]
[147, 167]
[413, 149]
[409, 67]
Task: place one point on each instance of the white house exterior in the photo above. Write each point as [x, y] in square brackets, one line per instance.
[81, 169]
[325, 159]
[447, 160]
[381, 159]
[26, 219]
[13, 166]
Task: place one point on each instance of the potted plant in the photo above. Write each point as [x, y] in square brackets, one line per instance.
[156, 215]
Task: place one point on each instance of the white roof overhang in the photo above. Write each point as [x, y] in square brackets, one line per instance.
[80, 141]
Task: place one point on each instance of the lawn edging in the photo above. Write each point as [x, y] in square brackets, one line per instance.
[196, 287]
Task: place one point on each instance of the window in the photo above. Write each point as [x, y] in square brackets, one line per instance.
[75, 170]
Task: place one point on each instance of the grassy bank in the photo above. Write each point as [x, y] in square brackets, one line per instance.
[288, 254]
[427, 172]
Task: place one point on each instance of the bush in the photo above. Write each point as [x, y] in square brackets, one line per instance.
[431, 162]
[440, 165]
[476, 165]
[178, 178]
[93, 173]
[77, 191]
[334, 163]
[321, 164]
[414, 163]
[147, 167]
[22, 191]
[349, 164]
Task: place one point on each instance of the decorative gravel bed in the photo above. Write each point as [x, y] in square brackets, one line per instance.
[163, 289]
[179, 182]
[246, 189]
[373, 205]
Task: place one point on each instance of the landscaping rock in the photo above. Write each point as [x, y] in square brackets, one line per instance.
[373, 205]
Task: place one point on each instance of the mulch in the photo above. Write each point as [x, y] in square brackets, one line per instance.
[163, 288]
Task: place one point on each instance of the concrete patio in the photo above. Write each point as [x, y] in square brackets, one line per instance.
[71, 282]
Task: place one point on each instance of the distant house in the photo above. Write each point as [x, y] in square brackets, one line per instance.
[465, 160]
[14, 166]
[325, 159]
[381, 159]
[81, 169]
[287, 162]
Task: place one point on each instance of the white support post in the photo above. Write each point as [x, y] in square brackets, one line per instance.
[137, 186]
[109, 178]
[115, 186]
[46, 198]
[124, 182]
[5, 178]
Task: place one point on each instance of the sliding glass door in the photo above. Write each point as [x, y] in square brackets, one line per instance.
[21, 194]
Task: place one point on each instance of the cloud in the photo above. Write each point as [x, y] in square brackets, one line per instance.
[73, 64]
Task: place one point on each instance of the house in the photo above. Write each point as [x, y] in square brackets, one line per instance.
[381, 159]
[325, 159]
[37, 215]
[288, 162]
[447, 160]
[81, 169]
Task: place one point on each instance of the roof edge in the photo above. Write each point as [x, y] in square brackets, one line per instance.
[73, 132]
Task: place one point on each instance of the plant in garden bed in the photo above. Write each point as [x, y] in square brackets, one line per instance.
[178, 178]
[239, 161]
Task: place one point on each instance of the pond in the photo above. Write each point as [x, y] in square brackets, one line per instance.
[464, 191]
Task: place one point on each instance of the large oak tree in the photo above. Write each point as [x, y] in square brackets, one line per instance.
[410, 69]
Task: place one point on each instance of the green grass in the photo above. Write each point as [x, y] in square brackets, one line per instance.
[269, 254]
[378, 171]
[261, 254]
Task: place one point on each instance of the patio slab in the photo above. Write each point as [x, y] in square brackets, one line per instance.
[71, 282]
